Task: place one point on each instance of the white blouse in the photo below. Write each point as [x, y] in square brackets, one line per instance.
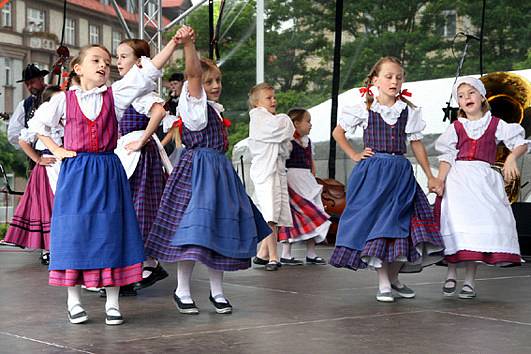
[137, 82]
[269, 143]
[357, 115]
[143, 104]
[512, 135]
[193, 110]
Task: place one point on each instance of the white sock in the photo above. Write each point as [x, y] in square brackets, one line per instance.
[286, 250]
[74, 298]
[113, 293]
[470, 274]
[452, 271]
[184, 277]
[149, 262]
[216, 284]
[310, 248]
[384, 285]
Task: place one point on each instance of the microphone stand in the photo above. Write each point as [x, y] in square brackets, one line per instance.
[451, 112]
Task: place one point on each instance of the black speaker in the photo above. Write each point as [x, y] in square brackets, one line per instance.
[522, 214]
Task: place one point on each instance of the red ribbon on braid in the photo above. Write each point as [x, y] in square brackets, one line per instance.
[366, 90]
[178, 124]
[405, 92]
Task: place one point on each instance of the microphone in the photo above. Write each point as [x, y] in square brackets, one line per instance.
[469, 36]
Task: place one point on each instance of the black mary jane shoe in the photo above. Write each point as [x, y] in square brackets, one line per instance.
[260, 261]
[113, 320]
[272, 266]
[157, 273]
[185, 308]
[45, 258]
[127, 290]
[221, 307]
[316, 260]
[291, 261]
[80, 317]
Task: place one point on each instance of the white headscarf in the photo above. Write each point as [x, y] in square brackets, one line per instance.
[475, 83]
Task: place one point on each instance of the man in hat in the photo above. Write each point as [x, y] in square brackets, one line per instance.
[33, 79]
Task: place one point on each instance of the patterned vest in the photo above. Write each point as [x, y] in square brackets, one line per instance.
[300, 157]
[382, 137]
[84, 135]
[132, 121]
[213, 136]
[482, 149]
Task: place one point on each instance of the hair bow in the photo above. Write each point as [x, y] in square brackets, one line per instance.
[406, 93]
[366, 90]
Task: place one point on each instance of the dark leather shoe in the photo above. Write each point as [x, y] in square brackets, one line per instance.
[221, 307]
[260, 261]
[187, 309]
[45, 258]
[157, 273]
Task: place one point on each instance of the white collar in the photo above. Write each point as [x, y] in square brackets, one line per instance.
[96, 90]
[217, 106]
[478, 122]
[389, 112]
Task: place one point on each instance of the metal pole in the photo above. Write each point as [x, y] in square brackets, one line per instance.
[122, 20]
[335, 87]
[259, 41]
[183, 15]
[140, 19]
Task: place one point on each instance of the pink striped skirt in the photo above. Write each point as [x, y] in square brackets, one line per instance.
[96, 278]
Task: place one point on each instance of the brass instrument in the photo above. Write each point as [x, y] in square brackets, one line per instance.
[509, 96]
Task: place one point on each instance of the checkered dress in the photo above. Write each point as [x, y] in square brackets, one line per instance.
[177, 196]
[147, 182]
[423, 245]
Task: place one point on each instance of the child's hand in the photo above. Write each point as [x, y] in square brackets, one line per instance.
[134, 146]
[365, 154]
[436, 185]
[46, 160]
[184, 35]
[61, 153]
[510, 170]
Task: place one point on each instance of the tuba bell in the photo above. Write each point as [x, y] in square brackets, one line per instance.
[509, 96]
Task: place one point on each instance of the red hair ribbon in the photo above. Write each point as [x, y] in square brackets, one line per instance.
[178, 124]
[366, 90]
[405, 92]
[226, 122]
[296, 135]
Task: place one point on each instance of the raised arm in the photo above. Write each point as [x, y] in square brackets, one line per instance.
[192, 65]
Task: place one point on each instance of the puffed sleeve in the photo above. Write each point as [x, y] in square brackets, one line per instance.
[16, 124]
[446, 145]
[143, 104]
[48, 115]
[415, 124]
[167, 122]
[352, 117]
[28, 136]
[512, 135]
[269, 128]
[137, 82]
[193, 110]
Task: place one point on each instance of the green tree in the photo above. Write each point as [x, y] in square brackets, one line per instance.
[13, 160]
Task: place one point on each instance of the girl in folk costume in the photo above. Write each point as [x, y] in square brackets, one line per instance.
[310, 221]
[139, 152]
[30, 226]
[477, 223]
[387, 223]
[96, 241]
[205, 214]
[269, 142]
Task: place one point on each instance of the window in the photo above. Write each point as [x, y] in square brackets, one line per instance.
[5, 20]
[36, 20]
[94, 34]
[447, 28]
[70, 31]
[116, 39]
[8, 71]
[130, 5]
[105, 2]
